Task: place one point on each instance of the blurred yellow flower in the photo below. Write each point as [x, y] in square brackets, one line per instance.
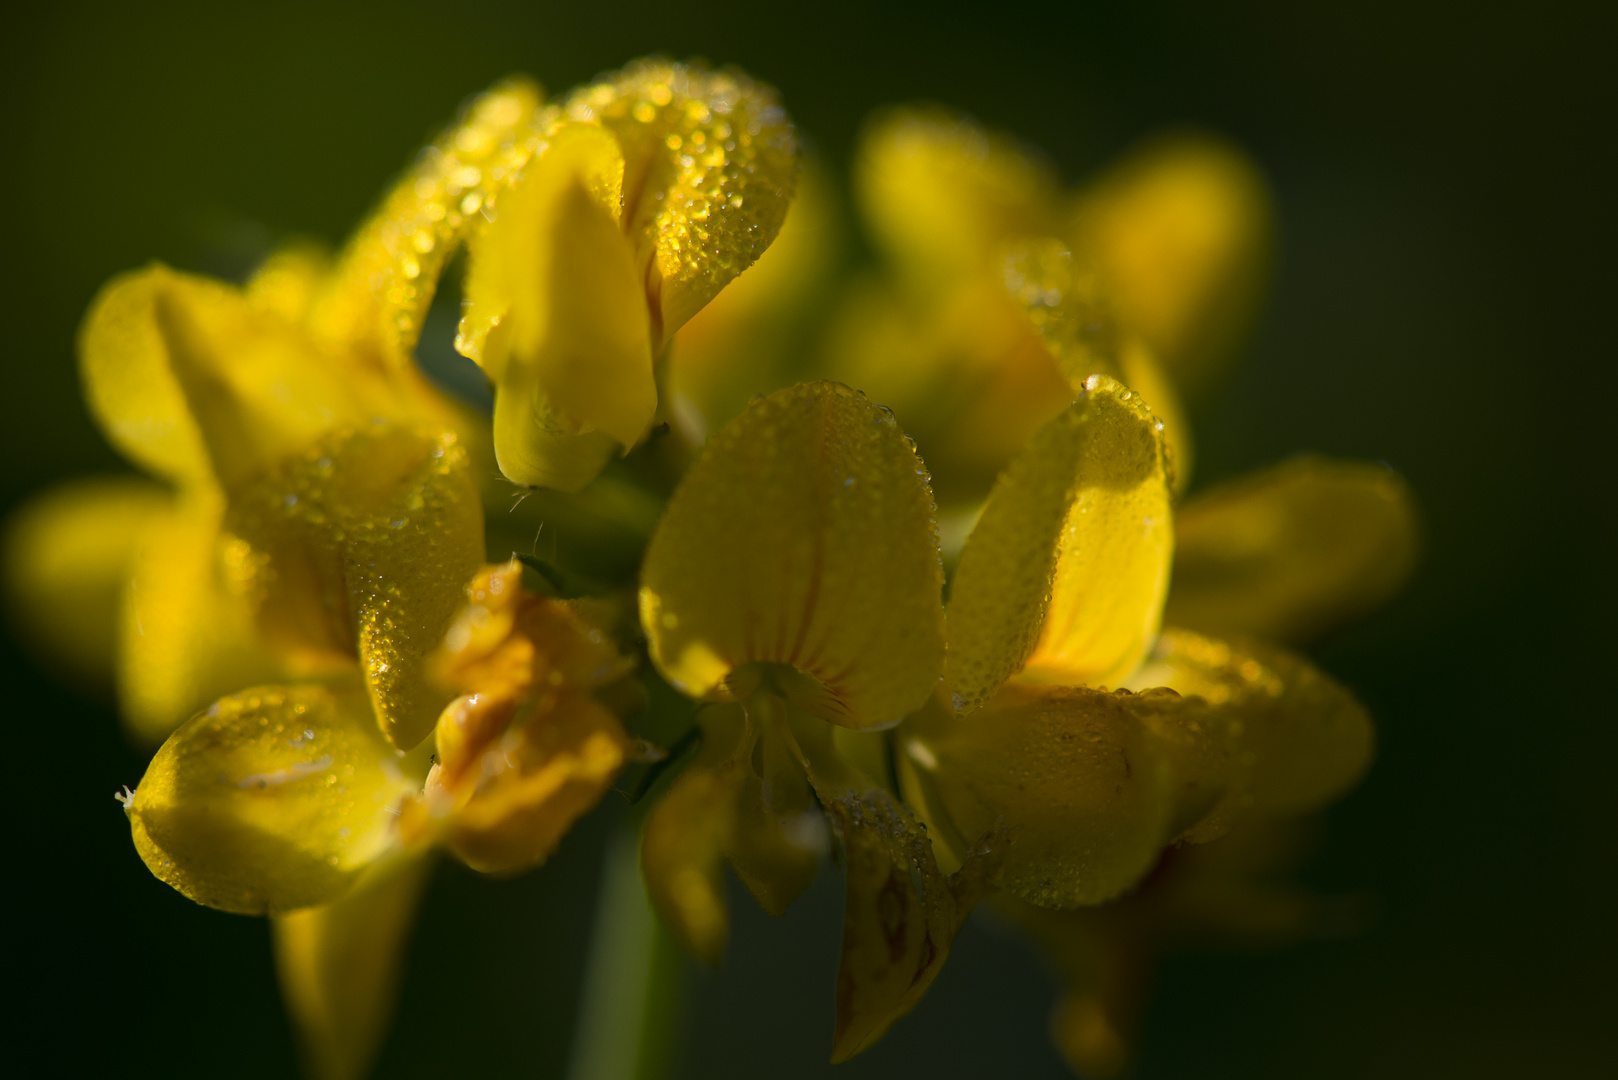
[1145, 266]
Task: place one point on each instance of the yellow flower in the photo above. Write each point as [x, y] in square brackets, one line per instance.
[1148, 263]
[794, 583]
[796, 578]
[286, 800]
[642, 196]
[225, 394]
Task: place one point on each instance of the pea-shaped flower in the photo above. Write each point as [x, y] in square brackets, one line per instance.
[643, 195]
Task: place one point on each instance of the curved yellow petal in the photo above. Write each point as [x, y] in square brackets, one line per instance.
[686, 833]
[1069, 305]
[288, 281]
[185, 637]
[803, 536]
[940, 194]
[710, 162]
[339, 967]
[1182, 228]
[1301, 740]
[1294, 550]
[68, 552]
[190, 379]
[539, 775]
[1063, 576]
[1091, 785]
[361, 547]
[557, 313]
[128, 384]
[964, 368]
[748, 338]
[744, 800]
[375, 302]
[900, 915]
[528, 747]
[273, 799]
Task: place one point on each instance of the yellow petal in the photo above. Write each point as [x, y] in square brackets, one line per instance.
[288, 281]
[747, 339]
[963, 367]
[360, 547]
[778, 835]
[1302, 739]
[540, 776]
[1290, 552]
[128, 383]
[1070, 306]
[375, 302]
[68, 553]
[710, 162]
[557, 314]
[803, 536]
[940, 194]
[1091, 785]
[191, 380]
[1063, 577]
[900, 916]
[272, 800]
[185, 636]
[686, 833]
[901, 912]
[1182, 228]
[1221, 893]
[339, 967]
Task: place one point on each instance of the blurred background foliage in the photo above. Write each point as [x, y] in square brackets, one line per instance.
[1442, 301]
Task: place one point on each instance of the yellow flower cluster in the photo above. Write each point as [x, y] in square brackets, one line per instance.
[957, 671]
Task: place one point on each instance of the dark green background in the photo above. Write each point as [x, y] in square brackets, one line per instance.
[1444, 301]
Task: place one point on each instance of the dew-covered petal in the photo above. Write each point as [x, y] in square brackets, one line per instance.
[900, 914]
[1091, 785]
[361, 546]
[710, 162]
[191, 380]
[556, 311]
[803, 536]
[186, 637]
[375, 302]
[68, 553]
[272, 800]
[1301, 739]
[1070, 306]
[940, 194]
[339, 967]
[749, 337]
[1293, 551]
[1182, 228]
[1064, 574]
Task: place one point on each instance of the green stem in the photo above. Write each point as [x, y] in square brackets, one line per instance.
[628, 1010]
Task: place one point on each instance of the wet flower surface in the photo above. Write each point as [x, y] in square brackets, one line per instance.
[1002, 663]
